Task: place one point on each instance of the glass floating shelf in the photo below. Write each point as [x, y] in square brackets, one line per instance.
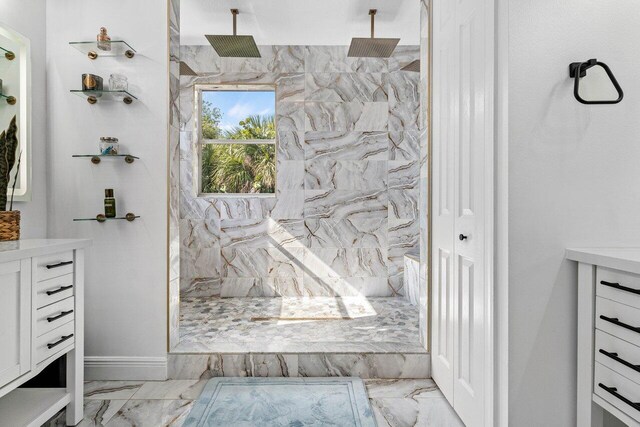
[118, 48]
[11, 100]
[94, 96]
[8, 54]
[101, 218]
[96, 158]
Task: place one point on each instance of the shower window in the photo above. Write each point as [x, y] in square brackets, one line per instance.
[236, 139]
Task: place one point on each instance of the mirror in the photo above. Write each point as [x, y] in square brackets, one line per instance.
[15, 100]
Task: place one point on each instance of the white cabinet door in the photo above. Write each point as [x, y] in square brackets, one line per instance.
[462, 186]
[15, 319]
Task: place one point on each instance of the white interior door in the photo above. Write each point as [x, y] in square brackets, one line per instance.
[462, 141]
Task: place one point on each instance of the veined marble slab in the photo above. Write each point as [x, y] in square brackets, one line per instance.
[143, 413]
[346, 233]
[325, 59]
[365, 365]
[290, 88]
[403, 204]
[244, 207]
[345, 262]
[347, 116]
[344, 87]
[404, 145]
[346, 145]
[261, 233]
[402, 86]
[290, 145]
[404, 116]
[345, 204]
[262, 262]
[412, 279]
[290, 116]
[345, 174]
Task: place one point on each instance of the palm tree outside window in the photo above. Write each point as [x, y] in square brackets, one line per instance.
[236, 139]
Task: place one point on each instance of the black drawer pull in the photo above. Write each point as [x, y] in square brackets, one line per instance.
[615, 357]
[60, 289]
[60, 264]
[619, 286]
[614, 391]
[60, 341]
[615, 321]
[62, 314]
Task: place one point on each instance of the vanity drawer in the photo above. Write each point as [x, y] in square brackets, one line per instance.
[54, 315]
[54, 341]
[618, 286]
[54, 290]
[55, 265]
[620, 391]
[618, 355]
[619, 320]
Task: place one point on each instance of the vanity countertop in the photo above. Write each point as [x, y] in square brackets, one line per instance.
[627, 259]
[18, 249]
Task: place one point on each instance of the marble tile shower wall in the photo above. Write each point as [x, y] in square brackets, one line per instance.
[174, 170]
[423, 207]
[348, 173]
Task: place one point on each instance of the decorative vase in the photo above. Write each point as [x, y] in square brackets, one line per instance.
[9, 225]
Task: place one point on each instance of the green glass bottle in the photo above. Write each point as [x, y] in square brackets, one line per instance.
[109, 203]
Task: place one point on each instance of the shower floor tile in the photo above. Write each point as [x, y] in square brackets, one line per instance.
[298, 325]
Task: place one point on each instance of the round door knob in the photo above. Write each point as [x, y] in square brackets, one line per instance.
[462, 237]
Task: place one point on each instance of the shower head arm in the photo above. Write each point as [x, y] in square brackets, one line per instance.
[235, 13]
[372, 13]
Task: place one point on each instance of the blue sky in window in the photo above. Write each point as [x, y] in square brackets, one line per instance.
[238, 105]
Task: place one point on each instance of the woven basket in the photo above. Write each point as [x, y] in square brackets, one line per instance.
[9, 225]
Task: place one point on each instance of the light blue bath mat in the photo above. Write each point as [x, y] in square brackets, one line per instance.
[286, 402]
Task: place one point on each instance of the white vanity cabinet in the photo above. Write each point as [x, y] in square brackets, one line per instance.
[15, 318]
[608, 358]
[41, 319]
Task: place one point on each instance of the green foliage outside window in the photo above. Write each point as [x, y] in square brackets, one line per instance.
[238, 167]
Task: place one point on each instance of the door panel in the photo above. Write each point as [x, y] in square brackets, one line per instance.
[445, 98]
[15, 318]
[462, 61]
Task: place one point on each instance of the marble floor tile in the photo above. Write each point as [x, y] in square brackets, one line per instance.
[96, 413]
[152, 413]
[422, 412]
[110, 390]
[407, 389]
[170, 390]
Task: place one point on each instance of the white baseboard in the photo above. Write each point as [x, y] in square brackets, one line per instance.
[125, 368]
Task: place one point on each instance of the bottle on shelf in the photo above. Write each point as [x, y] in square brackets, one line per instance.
[104, 41]
[109, 203]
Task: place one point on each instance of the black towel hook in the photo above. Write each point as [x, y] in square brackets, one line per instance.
[583, 67]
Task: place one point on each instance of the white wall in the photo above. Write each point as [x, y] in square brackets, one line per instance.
[28, 18]
[574, 180]
[126, 280]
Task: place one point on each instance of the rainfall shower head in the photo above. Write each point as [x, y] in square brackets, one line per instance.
[372, 47]
[234, 46]
[185, 70]
[413, 66]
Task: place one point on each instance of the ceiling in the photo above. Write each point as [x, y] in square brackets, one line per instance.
[300, 22]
